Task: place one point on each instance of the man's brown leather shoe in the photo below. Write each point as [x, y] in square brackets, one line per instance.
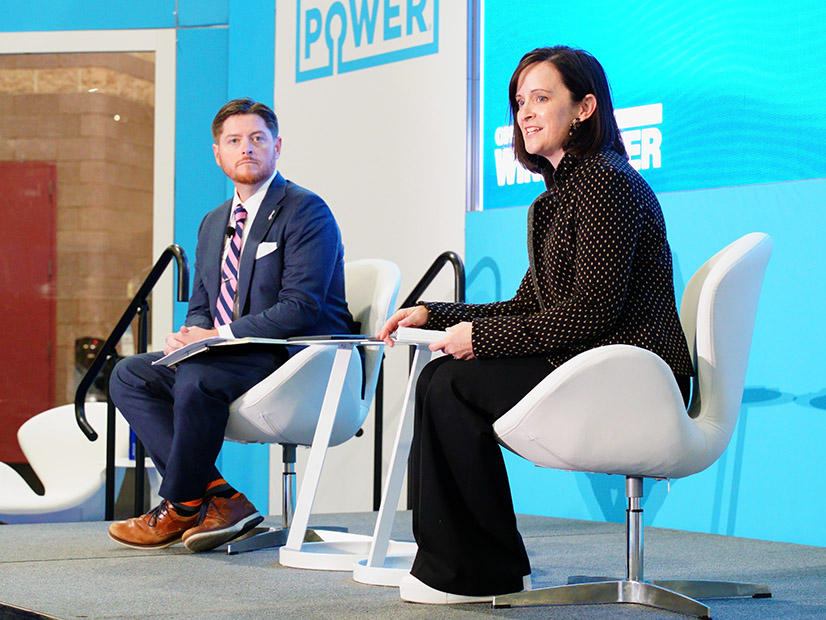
[159, 528]
[225, 519]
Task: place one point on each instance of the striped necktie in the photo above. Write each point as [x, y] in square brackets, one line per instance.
[229, 272]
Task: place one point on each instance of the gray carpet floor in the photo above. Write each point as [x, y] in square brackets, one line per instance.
[71, 571]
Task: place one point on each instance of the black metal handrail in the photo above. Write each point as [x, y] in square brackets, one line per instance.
[427, 279]
[138, 307]
[433, 271]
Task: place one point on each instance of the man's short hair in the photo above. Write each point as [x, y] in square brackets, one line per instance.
[244, 106]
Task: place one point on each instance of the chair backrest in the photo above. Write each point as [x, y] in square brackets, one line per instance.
[61, 455]
[372, 285]
[718, 312]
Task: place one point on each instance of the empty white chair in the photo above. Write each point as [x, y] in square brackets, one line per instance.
[618, 410]
[71, 468]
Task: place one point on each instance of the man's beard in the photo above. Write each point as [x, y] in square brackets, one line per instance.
[251, 176]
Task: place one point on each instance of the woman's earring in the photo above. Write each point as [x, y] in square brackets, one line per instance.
[572, 129]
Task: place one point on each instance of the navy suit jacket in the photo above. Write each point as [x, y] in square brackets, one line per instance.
[291, 280]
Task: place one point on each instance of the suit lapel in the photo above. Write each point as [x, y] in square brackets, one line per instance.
[214, 254]
[266, 215]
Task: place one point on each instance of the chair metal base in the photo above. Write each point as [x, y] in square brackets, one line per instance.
[706, 588]
[259, 538]
[672, 595]
[638, 592]
[675, 595]
[269, 538]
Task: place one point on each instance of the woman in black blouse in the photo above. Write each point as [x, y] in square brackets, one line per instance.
[599, 273]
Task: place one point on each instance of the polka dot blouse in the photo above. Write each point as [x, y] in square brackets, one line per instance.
[599, 273]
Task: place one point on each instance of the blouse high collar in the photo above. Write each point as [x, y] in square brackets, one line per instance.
[555, 177]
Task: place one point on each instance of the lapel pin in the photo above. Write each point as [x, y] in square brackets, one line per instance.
[272, 214]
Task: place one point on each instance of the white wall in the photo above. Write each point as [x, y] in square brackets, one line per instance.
[385, 147]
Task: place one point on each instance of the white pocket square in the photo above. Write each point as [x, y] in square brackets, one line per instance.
[265, 247]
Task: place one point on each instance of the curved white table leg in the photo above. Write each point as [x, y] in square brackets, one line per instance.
[379, 568]
[326, 555]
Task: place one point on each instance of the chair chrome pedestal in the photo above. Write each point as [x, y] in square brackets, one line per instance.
[272, 537]
[670, 594]
[267, 538]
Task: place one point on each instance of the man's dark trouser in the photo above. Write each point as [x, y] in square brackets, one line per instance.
[180, 414]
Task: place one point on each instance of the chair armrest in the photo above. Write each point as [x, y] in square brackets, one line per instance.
[614, 409]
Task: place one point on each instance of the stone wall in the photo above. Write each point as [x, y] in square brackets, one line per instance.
[91, 115]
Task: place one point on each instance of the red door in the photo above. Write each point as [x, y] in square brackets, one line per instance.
[27, 297]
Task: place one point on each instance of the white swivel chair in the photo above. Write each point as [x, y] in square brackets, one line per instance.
[285, 407]
[71, 468]
[618, 410]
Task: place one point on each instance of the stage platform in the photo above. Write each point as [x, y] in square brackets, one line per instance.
[72, 571]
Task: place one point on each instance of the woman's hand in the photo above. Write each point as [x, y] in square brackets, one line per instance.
[415, 316]
[458, 342]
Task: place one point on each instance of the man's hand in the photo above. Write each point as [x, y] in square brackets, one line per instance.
[457, 343]
[185, 335]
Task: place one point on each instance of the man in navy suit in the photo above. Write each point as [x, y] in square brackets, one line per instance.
[269, 263]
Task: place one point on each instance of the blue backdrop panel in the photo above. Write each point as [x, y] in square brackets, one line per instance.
[87, 15]
[199, 187]
[203, 12]
[251, 35]
[735, 89]
[200, 184]
[720, 107]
